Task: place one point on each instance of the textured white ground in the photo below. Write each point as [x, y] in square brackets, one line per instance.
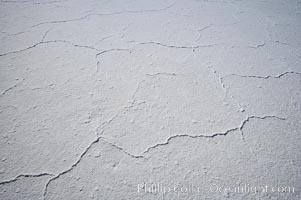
[99, 99]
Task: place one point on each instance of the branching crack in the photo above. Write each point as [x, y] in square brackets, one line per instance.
[15, 85]
[103, 52]
[135, 92]
[47, 42]
[200, 32]
[8, 89]
[263, 77]
[103, 14]
[240, 128]
[257, 46]
[179, 47]
[162, 73]
[110, 50]
[243, 123]
[225, 89]
[72, 166]
[98, 138]
[25, 176]
[121, 149]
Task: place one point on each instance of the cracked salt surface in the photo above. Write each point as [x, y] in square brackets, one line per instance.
[100, 99]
